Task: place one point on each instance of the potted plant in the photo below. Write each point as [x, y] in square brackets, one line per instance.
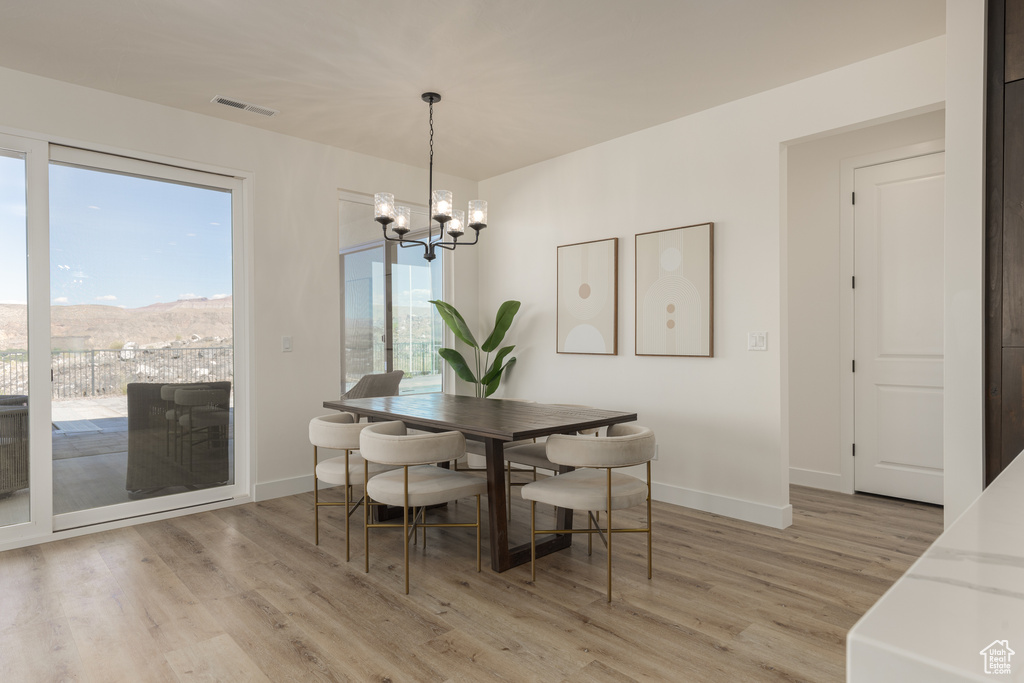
[487, 373]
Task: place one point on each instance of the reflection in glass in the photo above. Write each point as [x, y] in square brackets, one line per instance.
[14, 451]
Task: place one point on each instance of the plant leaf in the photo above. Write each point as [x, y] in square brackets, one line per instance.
[506, 312]
[496, 367]
[455, 322]
[492, 386]
[458, 364]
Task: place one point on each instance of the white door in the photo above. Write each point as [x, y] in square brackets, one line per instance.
[898, 220]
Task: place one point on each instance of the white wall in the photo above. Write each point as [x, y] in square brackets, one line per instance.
[963, 410]
[294, 237]
[719, 421]
[813, 246]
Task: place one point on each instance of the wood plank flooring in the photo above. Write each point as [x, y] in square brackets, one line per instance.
[242, 594]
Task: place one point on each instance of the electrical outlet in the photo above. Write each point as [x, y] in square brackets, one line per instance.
[286, 344]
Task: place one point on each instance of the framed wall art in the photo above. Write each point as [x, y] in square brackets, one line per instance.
[674, 292]
[588, 295]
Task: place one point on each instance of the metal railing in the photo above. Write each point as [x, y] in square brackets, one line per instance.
[107, 372]
[415, 358]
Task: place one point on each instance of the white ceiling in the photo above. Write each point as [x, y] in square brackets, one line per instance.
[522, 80]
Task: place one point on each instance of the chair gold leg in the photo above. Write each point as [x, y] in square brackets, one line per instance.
[478, 532]
[590, 537]
[608, 523]
[533, 540]
[405, 528]
[316, 503]
[366, 518]
[348, 487]
[649, 525]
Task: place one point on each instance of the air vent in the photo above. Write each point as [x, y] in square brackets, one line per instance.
[245, 106]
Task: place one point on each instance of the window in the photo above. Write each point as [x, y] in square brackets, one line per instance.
[377, 276]
[14, 431]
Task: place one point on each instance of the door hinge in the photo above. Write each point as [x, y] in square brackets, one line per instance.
[853, 366]
[855, 450]
[853, 282]
[853, 197]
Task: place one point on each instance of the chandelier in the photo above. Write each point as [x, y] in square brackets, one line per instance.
[451, 220]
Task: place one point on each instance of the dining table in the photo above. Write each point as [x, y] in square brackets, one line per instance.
[495, 422]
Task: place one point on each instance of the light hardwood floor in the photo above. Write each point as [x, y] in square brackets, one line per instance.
[242, 594]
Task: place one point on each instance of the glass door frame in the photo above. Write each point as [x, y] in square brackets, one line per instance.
[43, 525]
[162, 172]
[37, 224]
[390, 258]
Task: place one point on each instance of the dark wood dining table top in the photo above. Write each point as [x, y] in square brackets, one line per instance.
[493, 418]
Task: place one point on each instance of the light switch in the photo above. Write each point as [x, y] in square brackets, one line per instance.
[286, 344]
[757, 341]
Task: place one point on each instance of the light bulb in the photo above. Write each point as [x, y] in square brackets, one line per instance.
[456, 226]
[403, 220]
[441, 205]
[477, 214]
[384, 207]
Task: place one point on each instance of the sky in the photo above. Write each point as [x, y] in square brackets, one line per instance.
[13, 283]
[119, 240]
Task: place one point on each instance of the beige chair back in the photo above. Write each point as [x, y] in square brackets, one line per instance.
[625, 445]
[383, 384]
[339, 431]
[389, 443]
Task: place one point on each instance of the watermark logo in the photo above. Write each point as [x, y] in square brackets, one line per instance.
[997, 657]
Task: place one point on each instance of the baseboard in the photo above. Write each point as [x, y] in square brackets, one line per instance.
[816, 479]
[748, 511]
[283, 487]
[778, 517]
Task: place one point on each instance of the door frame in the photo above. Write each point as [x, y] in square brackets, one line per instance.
[447, 279]
[845, 284]
[43, 525]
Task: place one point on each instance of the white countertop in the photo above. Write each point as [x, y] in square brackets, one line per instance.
[965, 593]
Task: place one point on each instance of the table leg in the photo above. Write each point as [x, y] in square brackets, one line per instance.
[503, 557]
[494, 454]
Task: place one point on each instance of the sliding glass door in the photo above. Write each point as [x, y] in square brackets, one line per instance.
[141, 333]
[118, 382]
[388, 322]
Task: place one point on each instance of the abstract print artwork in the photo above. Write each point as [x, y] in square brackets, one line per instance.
[674, 282]
[587, 319]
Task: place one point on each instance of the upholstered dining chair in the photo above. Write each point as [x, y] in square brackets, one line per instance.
[417, 484]
[532, 455]
[339, 432]
[593, 486]
[381, 384]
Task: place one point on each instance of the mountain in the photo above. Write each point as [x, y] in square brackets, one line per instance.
[95, 326]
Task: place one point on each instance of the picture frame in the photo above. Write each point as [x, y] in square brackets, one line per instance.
[675, 291]
[587, 291]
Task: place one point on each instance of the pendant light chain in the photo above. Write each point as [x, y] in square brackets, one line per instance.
[430, 182]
